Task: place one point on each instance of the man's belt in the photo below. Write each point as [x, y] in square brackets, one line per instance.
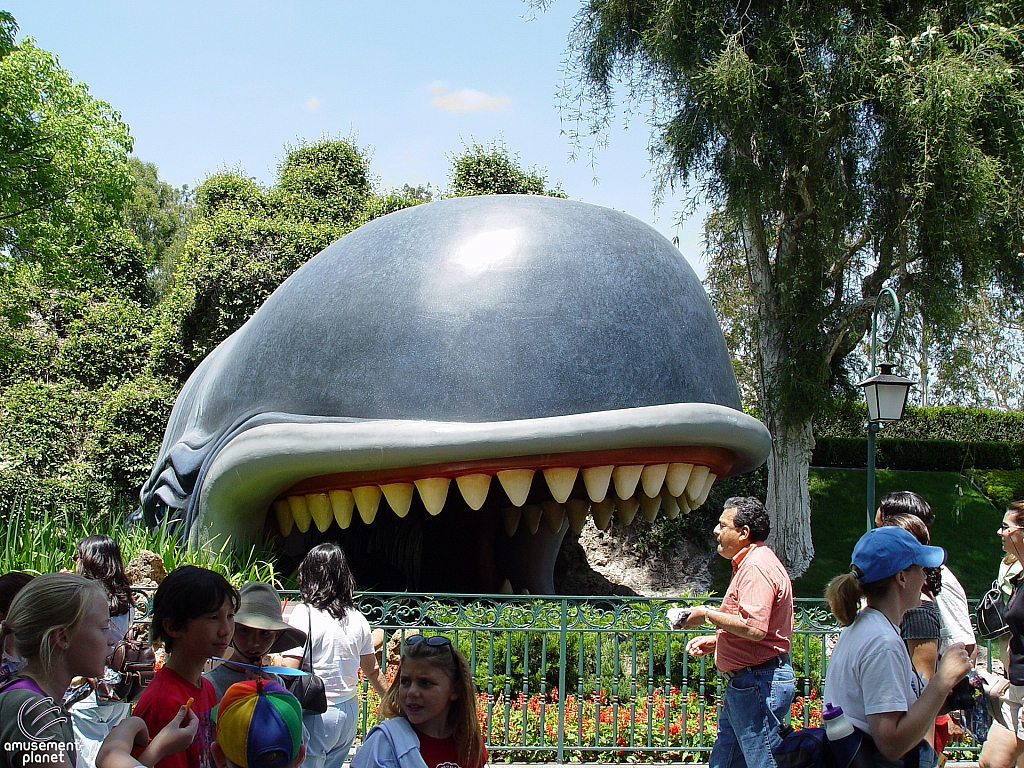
[774, 661]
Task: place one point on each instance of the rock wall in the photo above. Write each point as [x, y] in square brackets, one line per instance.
[611, 563]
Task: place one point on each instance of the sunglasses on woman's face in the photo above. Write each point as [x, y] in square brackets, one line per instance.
[435, 641]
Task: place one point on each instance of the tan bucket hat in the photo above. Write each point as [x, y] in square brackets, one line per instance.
[260, 608]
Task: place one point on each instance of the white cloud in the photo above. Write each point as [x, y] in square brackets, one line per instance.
[466, 100]
[312, 103]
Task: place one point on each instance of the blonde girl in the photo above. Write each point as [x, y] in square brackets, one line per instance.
[431, 711]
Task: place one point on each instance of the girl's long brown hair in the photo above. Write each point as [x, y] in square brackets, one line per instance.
[462, 717]
[100, 559]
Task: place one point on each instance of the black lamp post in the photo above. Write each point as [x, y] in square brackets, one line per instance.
[885, 392]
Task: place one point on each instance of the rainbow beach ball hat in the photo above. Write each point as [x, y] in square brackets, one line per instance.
[259, 725]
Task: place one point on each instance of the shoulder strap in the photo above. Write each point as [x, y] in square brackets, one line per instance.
[309, 640]
[21, 684]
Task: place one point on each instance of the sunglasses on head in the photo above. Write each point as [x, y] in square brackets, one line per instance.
[435, 641]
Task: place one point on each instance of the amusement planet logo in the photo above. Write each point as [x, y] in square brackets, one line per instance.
[42, 715]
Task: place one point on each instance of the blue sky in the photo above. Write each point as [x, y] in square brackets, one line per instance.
[207, 85]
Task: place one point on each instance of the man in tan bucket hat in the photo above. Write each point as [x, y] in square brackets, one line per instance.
[259, 630]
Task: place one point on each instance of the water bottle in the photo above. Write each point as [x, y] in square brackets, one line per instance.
[844, 741]
[837, 727]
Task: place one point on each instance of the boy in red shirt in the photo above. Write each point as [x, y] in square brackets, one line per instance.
[194, 616]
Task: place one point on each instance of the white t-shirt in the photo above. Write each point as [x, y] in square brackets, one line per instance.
[337, 645]
[870, 670]
[954, 613]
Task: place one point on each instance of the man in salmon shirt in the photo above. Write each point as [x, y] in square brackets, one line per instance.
[751, 642]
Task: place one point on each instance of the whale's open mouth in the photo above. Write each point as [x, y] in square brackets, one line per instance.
[467, 507]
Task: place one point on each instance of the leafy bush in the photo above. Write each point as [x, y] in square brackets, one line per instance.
[917, 455]
[1002, 486]
[847, 418]
[126, 432]
[107, 343]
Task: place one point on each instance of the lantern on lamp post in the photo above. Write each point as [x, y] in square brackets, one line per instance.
[885, 392]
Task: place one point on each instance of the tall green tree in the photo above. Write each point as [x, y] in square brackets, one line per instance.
[840, 145]
[64, 173]
[157, 215]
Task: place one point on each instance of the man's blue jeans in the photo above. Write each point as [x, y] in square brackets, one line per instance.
[754, 706]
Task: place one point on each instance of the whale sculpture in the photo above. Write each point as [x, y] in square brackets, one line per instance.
[450, 388]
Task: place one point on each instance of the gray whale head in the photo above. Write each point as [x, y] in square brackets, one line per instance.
[468, 338]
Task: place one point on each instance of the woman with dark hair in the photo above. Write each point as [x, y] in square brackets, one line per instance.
[339, 645]
[99, 558]
[951, 601]
[1005, 744]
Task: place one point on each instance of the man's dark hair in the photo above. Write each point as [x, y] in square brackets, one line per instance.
[750, 512]
[906, 503]
[187, 593]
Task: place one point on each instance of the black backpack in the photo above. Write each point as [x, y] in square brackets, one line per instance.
[806, 748]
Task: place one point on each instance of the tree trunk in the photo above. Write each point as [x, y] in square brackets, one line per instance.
[788, 500]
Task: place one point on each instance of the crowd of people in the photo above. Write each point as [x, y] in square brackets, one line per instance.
[907, 641]
[57, 629]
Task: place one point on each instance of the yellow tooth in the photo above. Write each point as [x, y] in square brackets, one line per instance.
[652, 478]
[649, 506]
[684, 505]
[367, 500]
[668, 501]
[576, 510]
[342, 502]
[320, 509]
[433, 492]
[603, 513]
[506, 587]
[285, 521]
[399, 496]
[510, 517]
[676, 478]
[695, 485]
[532, 514]
[710, 481]
[625, 510]
[626, 479]
[554, 514]
[516, 483]
[560, 481]
[596, 479]
[300, 511]
[474, 489]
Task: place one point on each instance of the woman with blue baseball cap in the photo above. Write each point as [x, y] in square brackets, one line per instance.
[870, 674]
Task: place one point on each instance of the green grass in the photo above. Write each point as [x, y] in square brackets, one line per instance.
[965, 524]
[42, 540]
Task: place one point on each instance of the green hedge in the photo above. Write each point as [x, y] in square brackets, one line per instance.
[918, 455]
[845, 418]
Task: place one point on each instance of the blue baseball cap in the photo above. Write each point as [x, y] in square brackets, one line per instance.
[885, 551]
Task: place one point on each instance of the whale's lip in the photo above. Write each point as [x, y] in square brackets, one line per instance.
[256, 465]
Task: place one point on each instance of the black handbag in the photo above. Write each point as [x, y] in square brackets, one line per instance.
[308, 689]
[991, 614]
